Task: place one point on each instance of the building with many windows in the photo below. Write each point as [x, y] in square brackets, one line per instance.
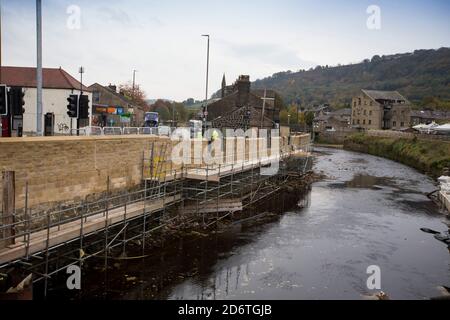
[382, 110]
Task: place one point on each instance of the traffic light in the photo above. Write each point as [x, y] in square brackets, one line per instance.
[84, 107]
[16, 96]
[72, 107]
[3, 101]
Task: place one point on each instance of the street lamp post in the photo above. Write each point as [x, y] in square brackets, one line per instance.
[205, 114]
[134, 82]
[39, 67]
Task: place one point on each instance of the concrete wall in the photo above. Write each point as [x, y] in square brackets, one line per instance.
[53, 100]
[60, 169]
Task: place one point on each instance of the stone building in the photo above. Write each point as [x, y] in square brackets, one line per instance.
[241, 107]
[382, 110]
[113, 109]
[338, 120]
[429, 116]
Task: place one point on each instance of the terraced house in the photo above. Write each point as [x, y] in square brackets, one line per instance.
[382, 110]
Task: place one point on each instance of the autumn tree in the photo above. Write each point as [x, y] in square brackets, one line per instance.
[135, 94]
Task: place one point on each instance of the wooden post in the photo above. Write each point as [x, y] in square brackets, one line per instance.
[8, 209]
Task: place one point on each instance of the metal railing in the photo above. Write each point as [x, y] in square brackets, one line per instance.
[118, 131]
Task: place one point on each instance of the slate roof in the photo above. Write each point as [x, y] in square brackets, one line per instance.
[385, 95]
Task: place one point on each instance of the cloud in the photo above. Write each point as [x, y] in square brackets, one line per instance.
[269, 54]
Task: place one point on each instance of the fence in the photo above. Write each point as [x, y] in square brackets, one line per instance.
[118, 131]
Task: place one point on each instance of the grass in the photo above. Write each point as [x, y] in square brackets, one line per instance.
[427, 156]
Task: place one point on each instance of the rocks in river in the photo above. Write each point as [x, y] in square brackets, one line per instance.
[377, 296]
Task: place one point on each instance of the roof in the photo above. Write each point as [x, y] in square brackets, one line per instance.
[432, 115]
[342, 112]
[112, 92]
[323, 117]
[384, 95]
[53, 78]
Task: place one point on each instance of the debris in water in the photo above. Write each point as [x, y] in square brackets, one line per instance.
[377, 296]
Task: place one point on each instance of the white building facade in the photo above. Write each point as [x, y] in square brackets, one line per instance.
[58, 85]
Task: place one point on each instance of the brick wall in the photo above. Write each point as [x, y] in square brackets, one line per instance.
[60, 169]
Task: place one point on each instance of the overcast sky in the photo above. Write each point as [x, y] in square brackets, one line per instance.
[162, 39]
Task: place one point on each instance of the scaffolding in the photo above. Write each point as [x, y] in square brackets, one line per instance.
[45, 243]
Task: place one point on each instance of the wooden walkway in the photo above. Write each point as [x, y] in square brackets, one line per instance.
[72, 230]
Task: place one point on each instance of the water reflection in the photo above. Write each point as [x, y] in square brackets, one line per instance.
[366, 211]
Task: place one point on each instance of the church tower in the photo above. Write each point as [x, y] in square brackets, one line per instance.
[224, 86]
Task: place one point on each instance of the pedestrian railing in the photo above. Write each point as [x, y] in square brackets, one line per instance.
[118, 131]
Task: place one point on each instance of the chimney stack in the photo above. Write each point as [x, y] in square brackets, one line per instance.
[112, 87]
[243, 88]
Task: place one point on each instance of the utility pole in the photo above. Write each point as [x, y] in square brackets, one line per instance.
[173, 114]
[134, 83]
[81, 71]
[39, 67]
[205, 115]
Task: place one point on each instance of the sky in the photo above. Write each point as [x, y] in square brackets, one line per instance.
[162, 39]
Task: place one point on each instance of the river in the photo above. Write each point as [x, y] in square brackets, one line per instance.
[366, 211]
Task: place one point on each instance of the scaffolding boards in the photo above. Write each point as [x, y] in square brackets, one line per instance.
[45, 243]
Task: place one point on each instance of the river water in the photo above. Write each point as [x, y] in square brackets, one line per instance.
[366, 211]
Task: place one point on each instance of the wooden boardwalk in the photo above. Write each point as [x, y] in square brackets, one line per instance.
[72, 230]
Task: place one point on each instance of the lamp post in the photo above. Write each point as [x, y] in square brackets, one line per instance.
[134, 83]
[39, 67]
[205, 113]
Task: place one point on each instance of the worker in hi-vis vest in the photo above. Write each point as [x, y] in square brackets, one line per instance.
[214, 135]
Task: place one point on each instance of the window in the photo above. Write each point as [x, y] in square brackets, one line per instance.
[96, 96]
[370, 122]
[371, 103]
[364, 121]
[370, 112]
[402, 124]
[365, 112]
[359, 101]
[394, 123]
[354, 103]
[358, 121]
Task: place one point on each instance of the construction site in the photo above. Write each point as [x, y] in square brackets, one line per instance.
[66, 200]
